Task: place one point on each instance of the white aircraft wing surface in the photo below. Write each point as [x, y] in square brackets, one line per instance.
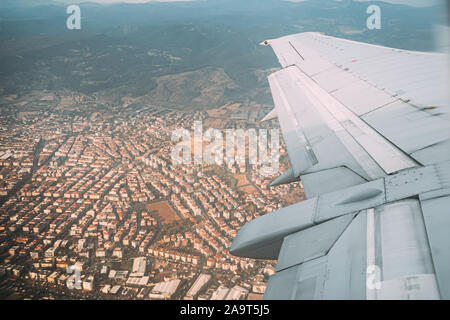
[367, 131]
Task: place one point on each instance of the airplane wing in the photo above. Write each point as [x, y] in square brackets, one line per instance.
[368, 134]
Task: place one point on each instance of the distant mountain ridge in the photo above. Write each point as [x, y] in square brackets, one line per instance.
[192, 54]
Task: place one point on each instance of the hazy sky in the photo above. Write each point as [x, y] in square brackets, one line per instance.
[417, 3]
[122, 1]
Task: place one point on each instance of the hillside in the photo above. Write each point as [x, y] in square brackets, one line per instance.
[195, 55]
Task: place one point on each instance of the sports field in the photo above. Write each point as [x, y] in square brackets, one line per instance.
[163, 211]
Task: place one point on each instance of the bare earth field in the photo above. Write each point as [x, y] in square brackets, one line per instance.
[248, 189]
[241, 179]
[164, 211]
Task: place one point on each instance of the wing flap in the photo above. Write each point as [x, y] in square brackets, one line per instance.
[311, 243]
[340, 274]
[312, 133]
[299, 148]
[301, 282]
[437, 220]
[329, 180]
[383, 253]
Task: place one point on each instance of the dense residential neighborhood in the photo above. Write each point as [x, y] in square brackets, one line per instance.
[98, 194]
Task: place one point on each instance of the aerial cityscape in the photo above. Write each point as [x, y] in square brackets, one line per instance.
[98, 191]
[92, 205]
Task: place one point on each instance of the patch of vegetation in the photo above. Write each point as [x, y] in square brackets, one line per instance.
[224, 174]
[174, 227]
